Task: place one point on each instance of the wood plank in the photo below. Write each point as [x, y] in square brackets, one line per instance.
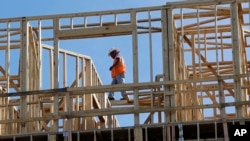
[95, 32]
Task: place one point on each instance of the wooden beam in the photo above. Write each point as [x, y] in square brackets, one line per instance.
[95, 32]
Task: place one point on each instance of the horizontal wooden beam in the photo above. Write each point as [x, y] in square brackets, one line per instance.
[95, 32]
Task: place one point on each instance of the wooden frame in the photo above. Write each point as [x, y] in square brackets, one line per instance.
[203, 58]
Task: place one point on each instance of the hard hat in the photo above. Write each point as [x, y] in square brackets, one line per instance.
[113, 49]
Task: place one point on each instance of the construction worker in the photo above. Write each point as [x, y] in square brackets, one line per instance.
[117, 69]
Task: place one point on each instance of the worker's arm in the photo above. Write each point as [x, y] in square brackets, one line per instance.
[117, 61]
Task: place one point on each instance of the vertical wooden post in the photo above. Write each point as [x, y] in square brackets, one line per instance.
[165, 69]
[168, 67]
[40, 53]
[194, 94]
[237, 46]
[137, 129]
[77, 98]
[223, 110]
[56, 68]
[88, 101]
[7, 75]
[69, 120]
[40, 80]
[7, 57]
[24, 72]
[55, 75]
[83, 95]
[184, 71]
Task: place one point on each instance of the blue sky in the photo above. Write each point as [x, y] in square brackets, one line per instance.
[20, 8]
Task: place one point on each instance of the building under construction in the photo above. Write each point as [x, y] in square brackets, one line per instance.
[202, 91]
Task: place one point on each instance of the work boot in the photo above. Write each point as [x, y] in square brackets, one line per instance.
[111, 98]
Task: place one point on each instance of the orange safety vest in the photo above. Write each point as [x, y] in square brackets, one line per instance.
[118, 69]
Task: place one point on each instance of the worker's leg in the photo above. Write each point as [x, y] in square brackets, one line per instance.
[111, 94]
[121, 80]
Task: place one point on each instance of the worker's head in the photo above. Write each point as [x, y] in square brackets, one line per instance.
[113, 52]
